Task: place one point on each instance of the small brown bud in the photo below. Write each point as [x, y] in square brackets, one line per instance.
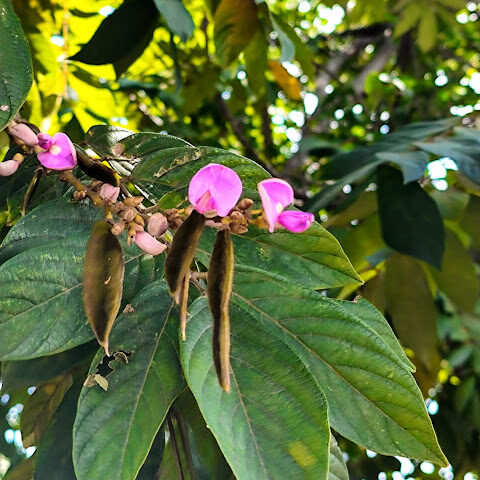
[157, 225]
[79, 195]
[132, 201]
[237, 217]
[139, 219]
[118, 228]
[238, 229]
[129, 214]
[117, 207]
[38, 149]
[177, 222]
[245, 203]
[136, 227]
[18, 157]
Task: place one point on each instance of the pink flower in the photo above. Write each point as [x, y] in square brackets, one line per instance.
[215, 189]
[60, 153]
[23, 133]
[296, 221]
[149, 244]
[9, 167]
[276, 194]
[109, 193]
[157, 225]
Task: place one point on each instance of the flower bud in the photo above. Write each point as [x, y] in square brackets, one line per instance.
[109, 193]
[237, 216]
[133, 201]
[18, 157]
[44, 140]
[149, 244]
[238, 229]
[157, 225]
[245, 203]
[25, 134]
[118, 228]
[139, 219]
[9, 167]
[129, 214]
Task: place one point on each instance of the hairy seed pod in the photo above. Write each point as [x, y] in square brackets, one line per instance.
[103, 271]
[219, 289]
[182, 251]
[96, 169]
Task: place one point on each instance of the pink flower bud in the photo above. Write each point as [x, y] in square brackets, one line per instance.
[23, 133]
[157, 225]
[296, 221]
[215, 188]
[149, 244]
[109, 193]
[60, 154]
[276, 194]
[9, 167]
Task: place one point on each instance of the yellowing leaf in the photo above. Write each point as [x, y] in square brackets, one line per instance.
[427, 31]
[235, 24]
[288, 83]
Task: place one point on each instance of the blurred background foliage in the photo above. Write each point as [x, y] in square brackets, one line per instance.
[369, 107]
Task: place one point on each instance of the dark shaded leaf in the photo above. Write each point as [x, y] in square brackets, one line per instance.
[15, 64]
[103, 138]
[410, 220]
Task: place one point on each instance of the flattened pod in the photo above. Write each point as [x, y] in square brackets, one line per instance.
[96, 169]
[219, 289]
[103, 270]
[182, 251]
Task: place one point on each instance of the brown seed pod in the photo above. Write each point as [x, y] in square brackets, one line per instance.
[182, 251]
[103, 271]
[96, 169]
[219, 290]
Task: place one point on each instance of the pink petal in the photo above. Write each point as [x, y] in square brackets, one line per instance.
[9, 167]
[23, 133]
[215, 187]
[61, 155]
[157, 224]
[149, 244]
[45, 141]
[109, 193]
[276, 194]
[296, 221]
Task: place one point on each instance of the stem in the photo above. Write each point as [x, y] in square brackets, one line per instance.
[176, 452]
[68, 176]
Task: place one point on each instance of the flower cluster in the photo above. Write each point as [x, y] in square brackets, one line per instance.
[54, 153]
[215, 190]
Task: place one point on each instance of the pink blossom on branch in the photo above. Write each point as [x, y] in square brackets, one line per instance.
[149, 244]
[109, 193]
[276, 194]
[215, 190]
[23, 133]
[60, 153]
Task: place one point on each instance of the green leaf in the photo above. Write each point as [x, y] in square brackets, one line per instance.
[457, 278]
[177, 17]
[15, 64]
[465, 151]
[27, 373]
[118, 35]
[413, 164]
[235, 25]
[139, 393]
[272, 392]
[41, 283]
[410, 17]
[427, 30]
[256, 63]
[411, 306]
[141, 145]
[102, 138]
[286, 44]
[410, 219]
[54, 454]
[373, 399]
[338, 469]
[40, 408]
[313, 259]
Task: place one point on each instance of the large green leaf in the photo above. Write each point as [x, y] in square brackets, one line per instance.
[410, 219]
[114, 430]
[15, 64]
[103, 138]
[272, 393]
[372, 396]
[177, 17]
[315, 257]
[41, 283]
